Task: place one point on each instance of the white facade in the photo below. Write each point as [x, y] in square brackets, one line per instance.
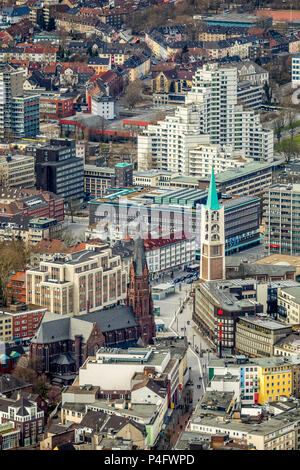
[276, 435]
[225, 384]
[104, 107]
[171, 255]
[112, 371]
[211, 114]
[288, 300]
[226, 122]
[247, 376]
[252, 72]
[206, 157]
[165, 145]
[296, 71]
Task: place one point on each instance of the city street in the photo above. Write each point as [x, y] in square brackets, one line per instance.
[183, 325]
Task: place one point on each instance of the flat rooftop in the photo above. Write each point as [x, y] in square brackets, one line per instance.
[142, 411]
[280, 260]
[294, 291]
[147, 357]
[265, 427]
[265, 323]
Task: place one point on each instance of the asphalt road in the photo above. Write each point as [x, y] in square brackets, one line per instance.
[78, 227]
[184, 326]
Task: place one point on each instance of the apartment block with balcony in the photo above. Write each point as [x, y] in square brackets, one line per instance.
[211, 114]
[17, 171]
[78, 283]
[281, 218]
[215, 89]
[25, 116]
[19, 113]
[205, 157]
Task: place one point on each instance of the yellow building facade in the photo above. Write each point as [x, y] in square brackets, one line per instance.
[6, 328]
[274, 381]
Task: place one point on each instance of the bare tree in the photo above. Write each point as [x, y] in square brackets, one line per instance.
[67, 237]
[14, 256]
[278, 128]
[133, 94]
[291, 122]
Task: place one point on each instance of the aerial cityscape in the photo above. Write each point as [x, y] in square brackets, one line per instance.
[149, 227]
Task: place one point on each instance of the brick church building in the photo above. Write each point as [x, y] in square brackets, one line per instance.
[62, 344]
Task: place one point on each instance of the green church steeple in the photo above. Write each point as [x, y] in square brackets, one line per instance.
[212, 202]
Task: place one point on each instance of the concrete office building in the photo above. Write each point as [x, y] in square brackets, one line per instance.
[225, 302]
[247, 179]
[281, 217]
[17, 171]
[78, 283]
[123, 175]
[59, 171]
[19, 113]
[96, 180]
[256, 337]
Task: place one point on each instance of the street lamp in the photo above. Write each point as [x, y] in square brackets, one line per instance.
[194, 341]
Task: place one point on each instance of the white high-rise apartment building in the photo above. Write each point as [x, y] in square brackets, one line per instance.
[165, 145]
[204, 158]
[211, 114]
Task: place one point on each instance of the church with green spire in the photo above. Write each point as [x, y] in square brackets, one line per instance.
[212, 202]
[212, 258]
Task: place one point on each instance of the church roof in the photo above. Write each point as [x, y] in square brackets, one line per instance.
[212, 202]
[112, 319]
[10, 383]
[54, 328]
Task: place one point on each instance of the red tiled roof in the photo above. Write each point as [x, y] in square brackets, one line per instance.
[154, 243]
[50, 246]
[108, 76]
[79, 247]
